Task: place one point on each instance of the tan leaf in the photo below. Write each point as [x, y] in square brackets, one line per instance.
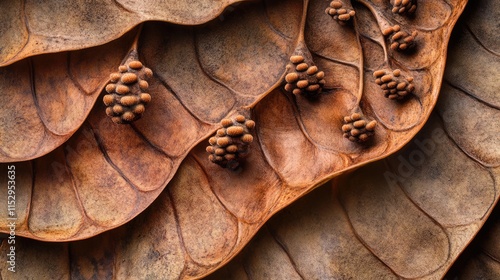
[208, 213]
[30, 28]
[481, 259]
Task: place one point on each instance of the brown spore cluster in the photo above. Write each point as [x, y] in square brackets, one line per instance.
[403, 7]
[230, 143]
[393, 84]
[127, 92]
[339, 13]
[304, 78]
[399, 40]
[357, 128]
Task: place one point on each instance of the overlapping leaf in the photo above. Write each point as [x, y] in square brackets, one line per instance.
[375, 226]
[411, 215]
[30, 28]
[47, 98]
[207, 214]
[51, 95]
[481, 260]
[206, 73]
[106, 173]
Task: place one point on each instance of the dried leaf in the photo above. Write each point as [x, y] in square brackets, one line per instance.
[51, 95]
[481, 259]
[30, 28]
[367, 228]
[109, 173]
[207, 213]
[48, 97]
[411, 215]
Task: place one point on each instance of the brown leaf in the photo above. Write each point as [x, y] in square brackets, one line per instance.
[207, 213]
[408, 216]
[411, 215]
[48, 97]
[108, 173]
[51, 95]
[481, 259]
[30, 28]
